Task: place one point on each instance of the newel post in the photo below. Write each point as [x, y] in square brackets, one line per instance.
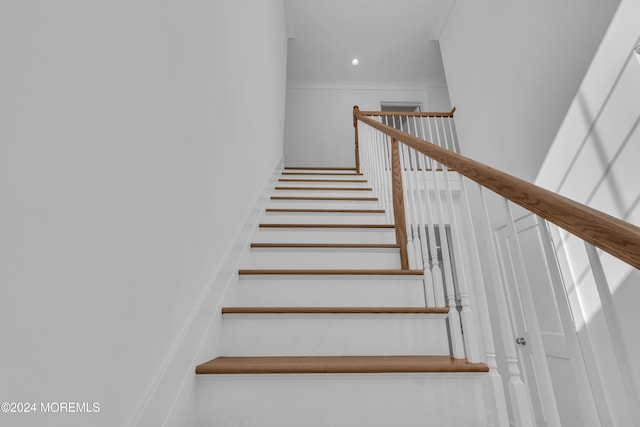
[355, 125]
[398, 204]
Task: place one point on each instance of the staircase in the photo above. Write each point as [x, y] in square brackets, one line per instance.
[324, 328]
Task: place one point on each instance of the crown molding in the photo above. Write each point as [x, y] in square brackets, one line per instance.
[365, 85]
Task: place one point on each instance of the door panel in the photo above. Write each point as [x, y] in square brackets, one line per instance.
[549, 322]
[516, 310]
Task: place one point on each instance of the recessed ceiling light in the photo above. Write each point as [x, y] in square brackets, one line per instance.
[355, 61]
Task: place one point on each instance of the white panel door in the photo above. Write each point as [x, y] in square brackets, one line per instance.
[549, 311]
[522, 273]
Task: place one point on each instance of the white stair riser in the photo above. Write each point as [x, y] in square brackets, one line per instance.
[324, 204]
[324, 235]
[323, 193]
[327, 291]
[340, 400]
[323, 218]
[322, 258]
[322, 175]
[329, 183]
[311, 171]
[334, 334]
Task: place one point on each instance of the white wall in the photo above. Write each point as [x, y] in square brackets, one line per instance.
[127, 167]
[319, 125]
[593, 160]
[512, 70]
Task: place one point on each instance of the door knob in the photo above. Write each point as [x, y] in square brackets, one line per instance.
[521, 341]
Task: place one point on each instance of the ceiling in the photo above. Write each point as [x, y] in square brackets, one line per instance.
[394, 40]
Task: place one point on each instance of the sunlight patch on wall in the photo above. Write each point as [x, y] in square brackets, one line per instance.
[585, 288]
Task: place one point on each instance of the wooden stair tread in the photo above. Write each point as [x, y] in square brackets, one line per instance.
[323, 173]
[317, 168]
[335, 310]
[328, 245]
[337, 364]
[321, 180]
[328, 272]
[363, 211]
[382, 226]
[346, 199]
[325, 188]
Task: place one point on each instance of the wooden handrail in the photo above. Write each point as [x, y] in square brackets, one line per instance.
[617, 237]
[408, 114]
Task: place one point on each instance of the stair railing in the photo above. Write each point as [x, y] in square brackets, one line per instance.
[433, 190]
[617, 237]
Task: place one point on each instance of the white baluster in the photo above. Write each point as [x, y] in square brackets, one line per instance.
[614, 328]
[595, 408]
[378, 149]
[386, 145]
[454, 317]
[417, 216]
[436, 271]
[454, 137]
[468, 320]
[375, 165]
[429, 162]
[382, 147]
[373, 161]
[407, 154]
[385, 156]
[426, 266]
[499, 415]
[363, 150]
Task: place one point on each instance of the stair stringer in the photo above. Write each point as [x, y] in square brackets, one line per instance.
[169, 400]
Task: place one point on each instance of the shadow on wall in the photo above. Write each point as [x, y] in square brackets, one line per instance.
[607, 163]
[594, 138]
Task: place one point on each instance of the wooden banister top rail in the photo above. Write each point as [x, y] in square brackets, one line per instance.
[619, 238]
[409, 114]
